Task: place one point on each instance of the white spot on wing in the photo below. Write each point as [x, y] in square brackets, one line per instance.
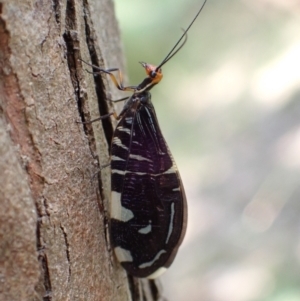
[146, 229]
[172, 169]
[123, 255]
[120, 172]
[124, 172]
[115, 158]
[128, 120]
[171, 222]
[149, 263]
[157, 273]
[138, 173]
[176, 189]
[139, 158]
[118, 142]
[121, 129]
[119, 212]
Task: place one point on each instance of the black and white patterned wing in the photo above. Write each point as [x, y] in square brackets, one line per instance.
[148, 205]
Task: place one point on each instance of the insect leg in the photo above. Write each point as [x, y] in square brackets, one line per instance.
[118, 100]
[100, 118]
[118, 81]
[99, 170]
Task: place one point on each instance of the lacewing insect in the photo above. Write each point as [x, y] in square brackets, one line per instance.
[148, 203]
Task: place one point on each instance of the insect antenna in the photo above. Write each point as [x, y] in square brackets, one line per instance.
[184, 35]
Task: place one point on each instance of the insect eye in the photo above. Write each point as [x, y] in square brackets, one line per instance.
[153, 74]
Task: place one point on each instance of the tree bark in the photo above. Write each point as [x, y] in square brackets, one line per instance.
[54, 242]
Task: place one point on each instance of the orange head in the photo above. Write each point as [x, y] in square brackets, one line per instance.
[154, 73]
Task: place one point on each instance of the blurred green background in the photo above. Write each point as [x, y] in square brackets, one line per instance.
[229, 107]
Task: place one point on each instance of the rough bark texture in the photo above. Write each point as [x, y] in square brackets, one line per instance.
[54, 242]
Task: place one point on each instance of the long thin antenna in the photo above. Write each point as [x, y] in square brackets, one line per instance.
[172, 53]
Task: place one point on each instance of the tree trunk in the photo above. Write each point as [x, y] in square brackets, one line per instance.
[54, 242]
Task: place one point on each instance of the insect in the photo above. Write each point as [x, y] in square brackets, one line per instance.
[148, 203]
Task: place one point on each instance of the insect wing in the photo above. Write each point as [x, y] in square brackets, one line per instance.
[148, 205]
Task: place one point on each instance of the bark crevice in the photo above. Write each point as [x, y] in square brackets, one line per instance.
[65, 235]
[73, 45]
[99, 85]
